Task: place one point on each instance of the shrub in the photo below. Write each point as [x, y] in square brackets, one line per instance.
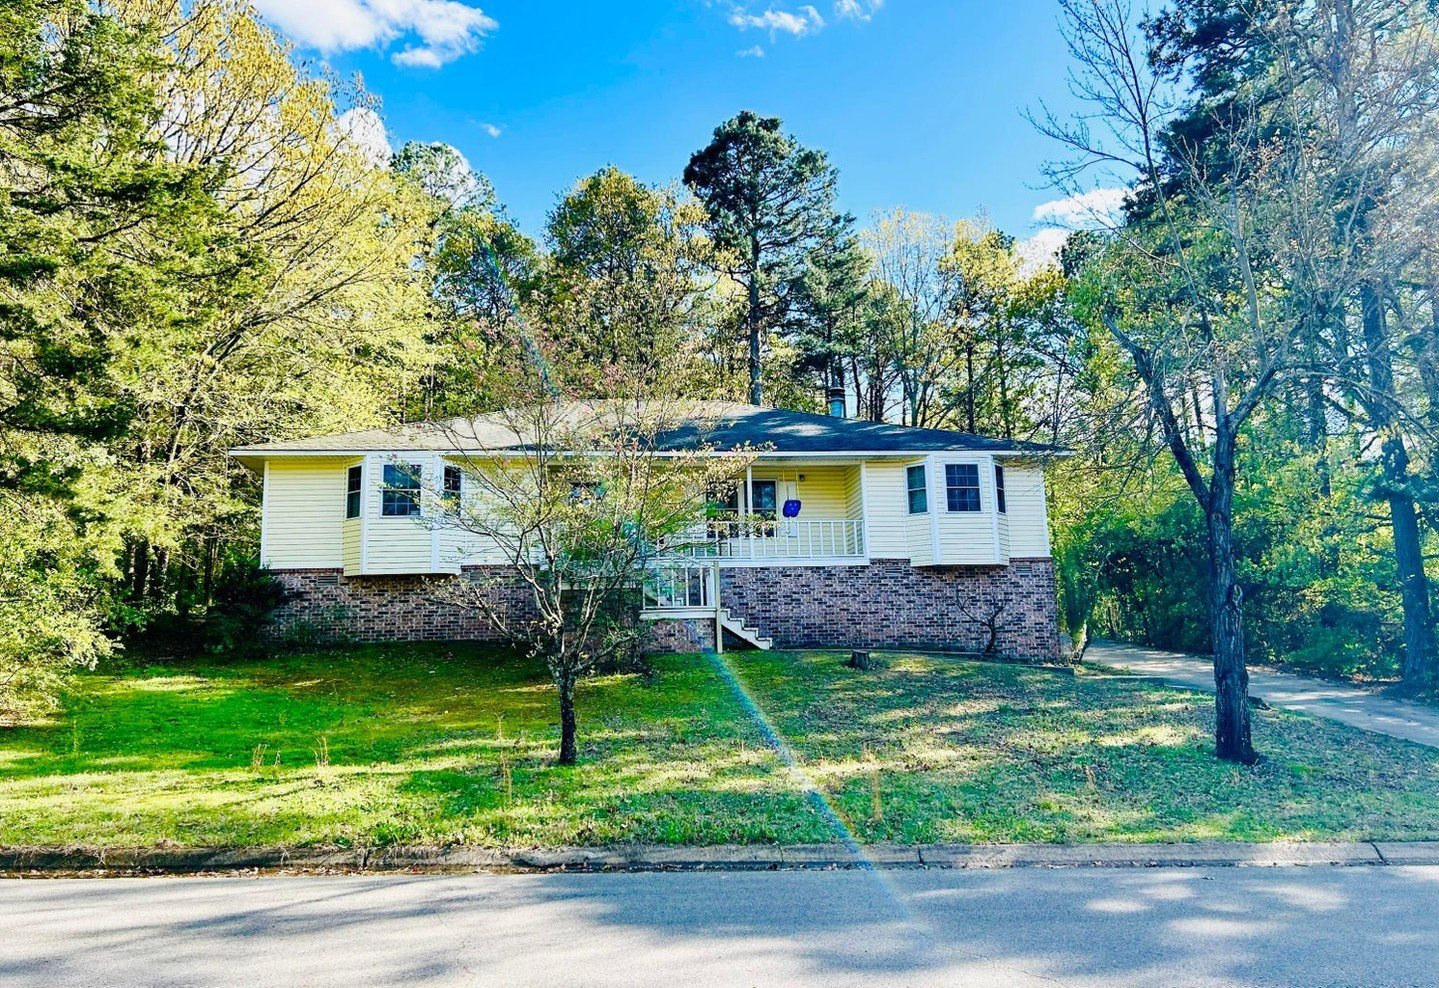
[245, 598]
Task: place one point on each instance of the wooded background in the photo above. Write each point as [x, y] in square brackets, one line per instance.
[201, 247]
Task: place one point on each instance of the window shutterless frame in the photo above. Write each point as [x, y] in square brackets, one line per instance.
[961, 486]
[916, 489]
[999, 488]
[354, 478]
[453, 484]
[764, 498]
[400, 495]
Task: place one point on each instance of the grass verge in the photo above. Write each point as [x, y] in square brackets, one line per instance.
[410, 743]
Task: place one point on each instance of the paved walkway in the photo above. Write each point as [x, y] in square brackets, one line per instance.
[1346, 704]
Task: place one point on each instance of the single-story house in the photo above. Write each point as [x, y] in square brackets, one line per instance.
[870, 535]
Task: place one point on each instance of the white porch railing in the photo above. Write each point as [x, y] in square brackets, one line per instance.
[680, 586]
[785, 538]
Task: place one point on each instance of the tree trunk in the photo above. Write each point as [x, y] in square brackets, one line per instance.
[1232, 740]
[569, 751]
[752, 325]
[971, 422]
[1419, 660]
[140, 571]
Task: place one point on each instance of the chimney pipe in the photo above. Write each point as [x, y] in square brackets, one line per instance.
[834, 397]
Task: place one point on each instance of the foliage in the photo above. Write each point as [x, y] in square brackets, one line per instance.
[770, 204]
[91, 219]
[193, 259]
[245, 597]
[1247, 251]
[628, 285]
[581, 514]
[312, 321]
[447, 744]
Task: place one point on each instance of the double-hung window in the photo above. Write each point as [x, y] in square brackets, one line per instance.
[917, 489]
[353, 478]
[999, 488]
[400, 497]
[961, 486]
[454, 482]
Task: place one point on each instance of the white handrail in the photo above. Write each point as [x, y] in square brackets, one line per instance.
[780, 538]
[680, 587]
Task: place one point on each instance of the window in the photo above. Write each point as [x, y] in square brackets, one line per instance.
[918, 494]
[763, 500]
[961, 486]
[999, 488]
[722, 500]
[454, 480]
[585, 491]
[401, 494]
[352, 492]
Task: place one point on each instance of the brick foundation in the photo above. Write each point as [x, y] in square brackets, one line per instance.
[333, 606]
[682, 635]
[887, 603]
[891, 603]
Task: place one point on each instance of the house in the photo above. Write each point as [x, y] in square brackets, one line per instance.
[838, 532]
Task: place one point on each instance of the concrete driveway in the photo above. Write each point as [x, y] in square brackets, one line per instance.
[1371, 926]
[1346, 704]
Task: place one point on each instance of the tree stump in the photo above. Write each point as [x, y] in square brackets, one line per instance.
[860, 658]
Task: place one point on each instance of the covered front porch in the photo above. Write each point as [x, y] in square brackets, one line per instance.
[788, 512]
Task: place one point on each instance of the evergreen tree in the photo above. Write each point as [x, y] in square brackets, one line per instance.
[771, 206]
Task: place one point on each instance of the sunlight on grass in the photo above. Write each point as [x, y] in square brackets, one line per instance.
[452, 743]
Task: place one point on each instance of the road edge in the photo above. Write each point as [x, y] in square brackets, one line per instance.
[76, 861]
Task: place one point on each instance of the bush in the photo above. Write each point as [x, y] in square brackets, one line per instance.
[245, 598]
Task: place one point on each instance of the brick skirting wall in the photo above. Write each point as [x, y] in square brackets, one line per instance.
[332, 606]
[681, 635]
[887, 603]
[892, 603]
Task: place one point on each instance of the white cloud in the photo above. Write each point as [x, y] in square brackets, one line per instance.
[754, 51]
[805, 20]
[365, 130]
[1041, 250]
[491, 129]
[1096, 208]
[854, 10]
[434, 31]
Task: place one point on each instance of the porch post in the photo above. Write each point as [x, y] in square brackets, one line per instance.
[719, 616]
[749, 510]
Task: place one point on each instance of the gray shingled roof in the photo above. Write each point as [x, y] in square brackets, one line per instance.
[717, 424]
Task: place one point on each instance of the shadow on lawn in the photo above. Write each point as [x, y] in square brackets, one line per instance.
[938, 749]
[454, 742]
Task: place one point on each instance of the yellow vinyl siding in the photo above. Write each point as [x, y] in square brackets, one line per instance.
[967, 538]
[304, 509]
[396, 544]
[823, 493]
[304, 525]
[350, 542]
[884, 497]
[1028, 523]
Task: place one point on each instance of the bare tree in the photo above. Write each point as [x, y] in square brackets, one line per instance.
[910, 252]
[578, 501]
[1182, 287]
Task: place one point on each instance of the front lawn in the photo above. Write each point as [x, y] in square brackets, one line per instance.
[412, 744]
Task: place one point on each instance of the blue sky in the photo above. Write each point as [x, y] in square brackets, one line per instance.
[918, 102]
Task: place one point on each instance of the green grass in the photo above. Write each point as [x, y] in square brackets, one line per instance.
[456, 744]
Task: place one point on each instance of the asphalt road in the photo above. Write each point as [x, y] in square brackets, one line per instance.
[1310, 926]
[1350, 705]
